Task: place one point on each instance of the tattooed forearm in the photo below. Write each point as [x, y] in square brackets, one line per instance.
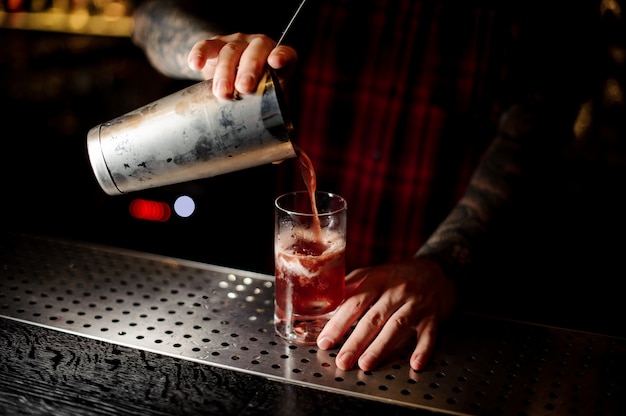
[167, 32]
[456, 240]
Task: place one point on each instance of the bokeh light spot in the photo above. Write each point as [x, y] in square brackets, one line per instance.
[184, 206]
[144, 209]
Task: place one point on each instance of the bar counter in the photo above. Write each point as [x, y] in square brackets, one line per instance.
[88, 329]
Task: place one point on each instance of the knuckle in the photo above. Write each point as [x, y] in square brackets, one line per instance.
[400, 321]
[375, 319]
[238, 36]
[260, 38]
[354, 303]
[233, 46]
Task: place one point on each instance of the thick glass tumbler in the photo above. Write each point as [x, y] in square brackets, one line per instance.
[309, 254]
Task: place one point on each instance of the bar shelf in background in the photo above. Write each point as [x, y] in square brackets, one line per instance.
[79, 23]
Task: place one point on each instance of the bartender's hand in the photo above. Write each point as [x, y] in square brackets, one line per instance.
[237, 61]
[394, 302]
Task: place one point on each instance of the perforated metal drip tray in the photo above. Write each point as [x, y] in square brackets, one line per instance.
[223, 317]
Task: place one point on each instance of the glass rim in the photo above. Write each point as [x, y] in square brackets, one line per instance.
[344, 204]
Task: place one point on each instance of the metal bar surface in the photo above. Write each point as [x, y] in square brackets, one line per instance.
[223, 317]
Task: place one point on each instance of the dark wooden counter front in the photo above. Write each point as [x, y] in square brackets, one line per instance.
[89, 330]
[48, 372]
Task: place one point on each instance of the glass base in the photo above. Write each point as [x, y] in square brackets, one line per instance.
[301, 329]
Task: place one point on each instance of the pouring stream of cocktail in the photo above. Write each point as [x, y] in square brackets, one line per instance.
[310, 180]
[306, 167]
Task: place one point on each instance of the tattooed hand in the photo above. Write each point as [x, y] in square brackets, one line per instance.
[182, 45]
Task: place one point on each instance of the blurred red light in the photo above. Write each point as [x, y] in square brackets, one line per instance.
[14, 5]
[144, 209]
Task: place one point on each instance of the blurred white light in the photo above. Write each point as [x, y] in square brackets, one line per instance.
[184, 206]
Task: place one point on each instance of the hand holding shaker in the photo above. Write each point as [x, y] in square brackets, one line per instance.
[190, 135]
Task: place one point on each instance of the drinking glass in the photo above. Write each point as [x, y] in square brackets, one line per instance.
[309, 255]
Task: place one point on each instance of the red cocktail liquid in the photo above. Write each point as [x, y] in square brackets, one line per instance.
[310, 275]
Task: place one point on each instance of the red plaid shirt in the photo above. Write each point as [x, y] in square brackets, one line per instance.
[393, 106]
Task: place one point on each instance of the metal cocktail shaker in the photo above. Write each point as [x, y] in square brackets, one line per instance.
[188, 135]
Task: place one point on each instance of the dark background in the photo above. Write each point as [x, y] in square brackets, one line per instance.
[563, 265]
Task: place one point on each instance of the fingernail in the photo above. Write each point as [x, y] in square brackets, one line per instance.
[222, 88]
[417, 363]
[195, 62]
[324, 343]
[367, 362]
[345, 361]
[246, 82]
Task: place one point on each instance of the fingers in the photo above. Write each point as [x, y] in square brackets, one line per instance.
[427, 332]
[283, 60]
[380, 330]
[237, 61]
[201, 52]
[342, 321]
[226, 68]
[395, 332]
[389, 304]
[252, 63]
[381, 343]
[282, 56]
[352, 308]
